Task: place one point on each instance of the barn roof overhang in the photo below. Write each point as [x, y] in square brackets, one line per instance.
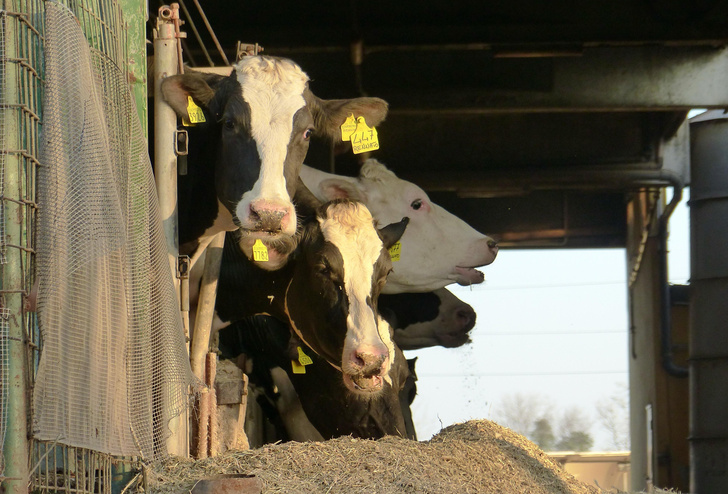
[531, 120]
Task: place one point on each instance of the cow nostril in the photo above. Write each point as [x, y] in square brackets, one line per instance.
[369, 364]
[466, 318]
[253, 213]
[465, 314]
[492, 244]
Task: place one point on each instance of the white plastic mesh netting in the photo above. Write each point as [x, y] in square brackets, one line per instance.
[114, 367]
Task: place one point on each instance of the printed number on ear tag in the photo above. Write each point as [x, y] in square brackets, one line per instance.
[364, 138]
[195, 113]
[395, 251]
[303, 358]
[260, 251]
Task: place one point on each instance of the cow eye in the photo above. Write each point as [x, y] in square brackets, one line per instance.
[416, 204]
[229, 123]
[324, 270]
[307, 134]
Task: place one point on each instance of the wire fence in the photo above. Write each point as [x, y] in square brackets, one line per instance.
[146, 383]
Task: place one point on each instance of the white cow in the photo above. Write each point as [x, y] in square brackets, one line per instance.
[437, 248]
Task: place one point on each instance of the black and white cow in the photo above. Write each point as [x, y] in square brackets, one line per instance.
[329, 409]
[422, 320]
[244, 159]
[327, 293]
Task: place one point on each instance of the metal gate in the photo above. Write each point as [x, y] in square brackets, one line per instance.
[56, 464]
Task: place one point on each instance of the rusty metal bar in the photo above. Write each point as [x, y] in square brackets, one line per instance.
[196, 33]
[211, 31]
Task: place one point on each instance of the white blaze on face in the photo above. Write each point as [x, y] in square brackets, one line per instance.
[274, 91]
[385, 333]
[351, 229]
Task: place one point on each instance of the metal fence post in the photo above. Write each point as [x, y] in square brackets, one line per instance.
[165, 172]
[15, 448]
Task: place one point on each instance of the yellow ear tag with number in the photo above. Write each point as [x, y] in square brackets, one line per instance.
[303, 358]
[260, 251]
[395, 251]
[195, 112]
[348, 128]
[299, 366]
[364, 138]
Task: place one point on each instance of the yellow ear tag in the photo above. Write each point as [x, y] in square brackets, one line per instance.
[195, 112]
[395, 251]
[364, 138]
[348, 128]
[303, 358]
[260, 251]
[297, 368]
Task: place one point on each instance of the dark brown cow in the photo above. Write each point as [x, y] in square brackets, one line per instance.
[327, 293]
[330, 409]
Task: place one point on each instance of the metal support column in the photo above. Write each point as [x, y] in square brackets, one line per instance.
[15, 445]
[708, 307]
[136, 15]
[166, 63]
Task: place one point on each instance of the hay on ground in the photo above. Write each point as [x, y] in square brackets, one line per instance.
[474, 457]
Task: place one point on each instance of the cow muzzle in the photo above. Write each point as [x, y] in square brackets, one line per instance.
[365, 370]
[266, 218]
[271, 217]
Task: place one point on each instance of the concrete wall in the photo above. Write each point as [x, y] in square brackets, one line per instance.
[608, 470]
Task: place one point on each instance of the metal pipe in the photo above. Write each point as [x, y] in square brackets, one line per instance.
[211, 31]
[196, 33]
[15, 443]
[203, 412]
[165, 173]
[604, 178]
[206, 305]
[210, 373]
[665, 305]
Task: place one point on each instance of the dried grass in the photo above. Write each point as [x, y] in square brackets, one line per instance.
[474, 457]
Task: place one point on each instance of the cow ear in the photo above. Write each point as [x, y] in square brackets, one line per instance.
[391, 233]
[329, 115]
[340, 188]
[200, 87]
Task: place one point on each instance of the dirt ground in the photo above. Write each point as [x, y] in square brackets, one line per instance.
[474, 457]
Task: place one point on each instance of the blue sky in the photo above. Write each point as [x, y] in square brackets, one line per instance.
[549, 322]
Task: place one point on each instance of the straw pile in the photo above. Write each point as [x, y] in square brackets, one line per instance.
[474, 457]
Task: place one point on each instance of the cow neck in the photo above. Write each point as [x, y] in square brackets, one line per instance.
[298, 331]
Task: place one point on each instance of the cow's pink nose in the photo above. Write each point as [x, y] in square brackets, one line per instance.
[268, 216]
[370, 361]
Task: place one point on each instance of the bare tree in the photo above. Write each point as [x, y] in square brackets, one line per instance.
[543, 435]
[572, 420]
[521, 411]
[613, 413]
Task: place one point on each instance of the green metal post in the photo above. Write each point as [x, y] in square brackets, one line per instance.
[136, 15]
[15, 448]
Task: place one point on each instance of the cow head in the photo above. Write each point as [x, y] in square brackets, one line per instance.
[423, 320]
[437, 249]
[259, 121]
[342, 265]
